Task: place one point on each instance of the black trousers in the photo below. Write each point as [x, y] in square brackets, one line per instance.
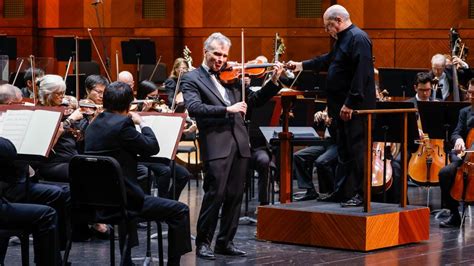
[57, 197]
[41, 221]
[446, 181]
[350, 143]
[260, 162]
[176, 215]
[223, 187]
[163, 176]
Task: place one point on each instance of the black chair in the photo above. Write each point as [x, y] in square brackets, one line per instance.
[23, 235]
[89, 68]
[97, 184]
[159, 76]
[188, 150]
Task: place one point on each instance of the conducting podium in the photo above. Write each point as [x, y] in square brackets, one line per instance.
[327, 224]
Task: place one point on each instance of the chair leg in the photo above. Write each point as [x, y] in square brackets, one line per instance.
[67, 251]
[112, 245]
[189, 164]
[3, 249]
[25, 249]
[160, 244]
[125, 250]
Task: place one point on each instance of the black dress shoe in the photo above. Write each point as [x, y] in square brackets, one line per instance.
[308, 196]
[231, 250]
[204, 251]
[355, 201]
[327, 197]
[453, 221]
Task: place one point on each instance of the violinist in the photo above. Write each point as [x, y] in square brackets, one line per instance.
[148, 91]
[219, 110]
[10, 94]
[350, 86]
[95, 87]
[127, 77]
[68, 144]
[27, 91]
[179, 65]
[447, 173]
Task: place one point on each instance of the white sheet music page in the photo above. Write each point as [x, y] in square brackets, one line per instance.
[166, 129]
[15, 125]
[41, 132]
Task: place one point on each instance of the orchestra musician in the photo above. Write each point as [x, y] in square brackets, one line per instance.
[127, 77]
[219, 110]
[95, 86]
[13, 179]
[350, 86]
[324, 158]
[443, 75]
[114, 129]
[447, 173]
[39, 219]
[179, 65]
[27, 91]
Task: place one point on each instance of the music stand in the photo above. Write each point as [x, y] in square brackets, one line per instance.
[138, 51]
[65, 48]
[8, 46]
[71, 86]
[398, 81]
[387, 129]
[439, 119]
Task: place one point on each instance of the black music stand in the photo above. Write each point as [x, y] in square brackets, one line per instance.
[398, 82]
[439, 119]
[138, 51]
[65, 48]
[8, 46]
[71, 86]
[387, 129]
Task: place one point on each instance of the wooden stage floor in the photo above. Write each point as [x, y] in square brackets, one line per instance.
[445, 246]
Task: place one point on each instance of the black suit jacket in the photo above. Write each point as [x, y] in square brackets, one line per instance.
[216, 126]
[116, 135]
[465, 123]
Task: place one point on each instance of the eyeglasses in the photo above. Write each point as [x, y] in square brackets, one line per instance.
[98, 91]
[59, 93]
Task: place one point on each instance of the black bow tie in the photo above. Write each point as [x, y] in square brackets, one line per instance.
[214, 73]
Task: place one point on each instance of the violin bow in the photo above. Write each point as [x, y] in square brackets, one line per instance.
[67, 68]
[116, 63]
[77, 67]
[18, 71]
[154, 69]
[243, 67]
[98, 53]
[173, 104]
[33, 78]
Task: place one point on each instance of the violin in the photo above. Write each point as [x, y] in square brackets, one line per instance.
[254, 69]
[463, 188]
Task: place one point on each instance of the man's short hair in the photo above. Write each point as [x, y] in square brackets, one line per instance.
[7, 93]
[29, 73]
[423, 78]
[219, 38]
[94, 80]
[438, 59]
[335, 11]
[117, 97]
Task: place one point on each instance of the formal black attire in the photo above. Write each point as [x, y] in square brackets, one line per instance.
[447, 173]
[117, 133]
[350, 82]
[225, 150]
[39, 219]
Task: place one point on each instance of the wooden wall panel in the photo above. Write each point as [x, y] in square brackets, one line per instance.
[412, 14]
[192, 13]
[123, 13]
[356, 11]
[379, 16]
[246, 13]
[48, 13]
[71, 14]
[217, 13]
[444, 13]
[275, 13]
[383, 50]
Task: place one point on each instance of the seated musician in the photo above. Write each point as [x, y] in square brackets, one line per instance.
[27, 91]
[324, 158]
[127, 77]
[40, 220]
[443, 75]
[95, 86]
[114, 130]
[170, 84]
[15, 188]
[10, 94]
[422, 87]
[162, 171]
[448, 173]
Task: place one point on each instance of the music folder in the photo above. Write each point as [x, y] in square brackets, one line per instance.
[32, 131]
[168, 128]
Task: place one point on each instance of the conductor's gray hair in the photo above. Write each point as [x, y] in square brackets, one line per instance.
[219, 38]
[335, 11]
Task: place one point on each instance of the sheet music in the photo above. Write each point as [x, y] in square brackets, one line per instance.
[14, 125]
[42, 131]
[166, 129]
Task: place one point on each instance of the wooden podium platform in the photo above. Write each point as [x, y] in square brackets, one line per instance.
[328, 225]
